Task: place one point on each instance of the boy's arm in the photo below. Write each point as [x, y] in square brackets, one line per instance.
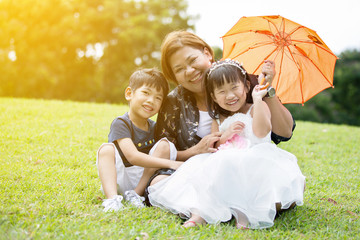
[142, 159]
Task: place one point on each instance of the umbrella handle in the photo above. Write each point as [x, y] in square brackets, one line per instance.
[262, 82]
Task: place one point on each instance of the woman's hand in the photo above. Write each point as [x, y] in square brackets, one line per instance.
[268, 72]
[206, 145]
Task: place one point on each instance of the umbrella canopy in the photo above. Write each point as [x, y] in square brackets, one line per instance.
[304, 64]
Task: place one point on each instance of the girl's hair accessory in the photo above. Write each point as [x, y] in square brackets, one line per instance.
[234, 63]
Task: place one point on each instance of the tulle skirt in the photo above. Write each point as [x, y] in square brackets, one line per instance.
[244, 183]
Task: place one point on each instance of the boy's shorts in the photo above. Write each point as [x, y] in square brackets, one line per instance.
[127, 178]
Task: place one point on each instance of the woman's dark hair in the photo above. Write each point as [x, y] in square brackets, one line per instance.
[216, 76]
[175, 41]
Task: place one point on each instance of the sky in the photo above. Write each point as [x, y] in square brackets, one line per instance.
[336, 22]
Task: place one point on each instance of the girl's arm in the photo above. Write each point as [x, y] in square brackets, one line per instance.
[142, 159]
[260, 113]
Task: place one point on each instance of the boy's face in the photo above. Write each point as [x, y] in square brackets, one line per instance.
[145, 101]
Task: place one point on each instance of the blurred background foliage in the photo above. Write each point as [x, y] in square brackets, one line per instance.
[85, 50]
[82, 50]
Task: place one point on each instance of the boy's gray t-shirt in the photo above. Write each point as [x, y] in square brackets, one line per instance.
[122, 127]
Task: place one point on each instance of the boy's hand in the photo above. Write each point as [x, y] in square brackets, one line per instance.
[268, 72]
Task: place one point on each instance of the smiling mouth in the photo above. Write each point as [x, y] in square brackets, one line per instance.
[148, 108]
[231, 103]
[196, 79]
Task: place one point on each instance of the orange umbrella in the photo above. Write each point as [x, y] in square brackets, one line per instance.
[304, 64]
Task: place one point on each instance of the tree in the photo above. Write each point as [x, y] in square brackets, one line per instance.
[81, 49]
[346, 94]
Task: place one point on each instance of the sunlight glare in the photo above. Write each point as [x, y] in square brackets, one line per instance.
[12, 55]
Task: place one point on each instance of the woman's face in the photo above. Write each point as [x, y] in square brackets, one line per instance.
[188, 65]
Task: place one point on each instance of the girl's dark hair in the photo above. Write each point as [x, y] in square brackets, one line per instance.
[217, 77]
[151, 77]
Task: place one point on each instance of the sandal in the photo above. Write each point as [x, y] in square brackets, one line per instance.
[242, 227]
[189, 224]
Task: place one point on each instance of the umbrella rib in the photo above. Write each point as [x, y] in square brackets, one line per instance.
[295, 29]
[248, 49]
[248, 31]
[297, 66]
[264, 60]
[301, 90]
[320, 71]
[282, 56]
[317, 45]
[273, 24]
[316, 65]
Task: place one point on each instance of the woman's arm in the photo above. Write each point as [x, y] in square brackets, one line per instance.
[142, 159]
[281, 119]
[168, 125]
[206, 145]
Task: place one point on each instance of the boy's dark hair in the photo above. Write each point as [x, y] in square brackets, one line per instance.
[151, 77]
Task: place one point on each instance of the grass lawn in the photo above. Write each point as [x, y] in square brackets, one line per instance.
[49, 187]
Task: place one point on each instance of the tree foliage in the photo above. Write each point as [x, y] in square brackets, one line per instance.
[81, 49]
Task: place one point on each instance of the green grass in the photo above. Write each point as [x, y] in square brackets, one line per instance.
[49, 187]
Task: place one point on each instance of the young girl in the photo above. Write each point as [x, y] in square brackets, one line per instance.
[248, 177]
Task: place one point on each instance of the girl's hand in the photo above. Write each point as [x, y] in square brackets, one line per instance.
[206, 145]
[235, 128]
[258, 93]
[268, 72]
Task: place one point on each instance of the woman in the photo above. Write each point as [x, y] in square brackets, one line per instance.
[184, 119]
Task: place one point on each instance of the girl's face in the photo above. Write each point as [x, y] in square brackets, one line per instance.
[188, 65]
[230, 96]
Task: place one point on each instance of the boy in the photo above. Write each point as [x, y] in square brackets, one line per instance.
[130, 158]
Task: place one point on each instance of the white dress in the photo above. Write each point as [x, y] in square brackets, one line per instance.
[244, 179]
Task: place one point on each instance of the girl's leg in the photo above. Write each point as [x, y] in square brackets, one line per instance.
[107, 170]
